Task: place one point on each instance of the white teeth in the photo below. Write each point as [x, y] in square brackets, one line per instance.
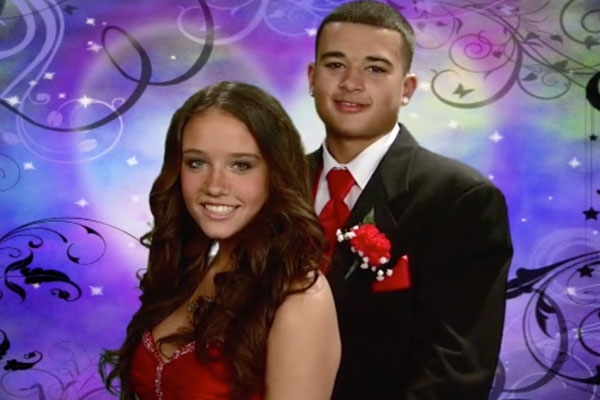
[219, 209]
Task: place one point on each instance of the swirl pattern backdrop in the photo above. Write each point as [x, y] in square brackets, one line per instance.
[87, 90]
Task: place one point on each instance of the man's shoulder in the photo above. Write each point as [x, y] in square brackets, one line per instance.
[439, 174]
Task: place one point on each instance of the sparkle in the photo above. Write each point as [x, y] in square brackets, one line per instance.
[135, 199]
[13, 101]
[62, 95]
[496, 137]
[425, 86]
[131, 245]
[491, 177]
[49, 75]
[574, 163]
[595, 232]
[28, 166]
[90, 21]
[311, 32]
[94, 47]
[131, 161]
[550, 197]
[453, 124]
[96, 290]
[81, 202]
[571, 291]
[32, 83]
[523, 219]
[85, 101]
[173, 57]
[413, 115]
[35, 285]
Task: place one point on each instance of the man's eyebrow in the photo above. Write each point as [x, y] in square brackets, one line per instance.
[380, 59]
[334, 53]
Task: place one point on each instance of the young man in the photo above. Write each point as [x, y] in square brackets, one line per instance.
[432, 329]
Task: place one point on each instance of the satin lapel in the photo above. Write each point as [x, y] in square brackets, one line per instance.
[389, 181]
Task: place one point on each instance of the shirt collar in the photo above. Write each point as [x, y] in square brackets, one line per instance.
[364, 164]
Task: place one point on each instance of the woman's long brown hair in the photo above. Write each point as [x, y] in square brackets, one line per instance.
[276, 251]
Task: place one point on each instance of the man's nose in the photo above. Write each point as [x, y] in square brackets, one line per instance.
[352, 80]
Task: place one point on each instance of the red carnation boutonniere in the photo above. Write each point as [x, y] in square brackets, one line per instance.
[371, 246]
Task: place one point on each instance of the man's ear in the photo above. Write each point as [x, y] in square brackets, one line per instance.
[409, 85]
[311, 76]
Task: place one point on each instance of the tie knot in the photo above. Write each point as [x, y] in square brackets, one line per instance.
[340, 181]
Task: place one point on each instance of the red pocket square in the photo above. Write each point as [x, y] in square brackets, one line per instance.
[400, 278]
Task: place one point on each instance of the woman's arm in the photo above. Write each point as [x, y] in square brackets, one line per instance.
[303, 347]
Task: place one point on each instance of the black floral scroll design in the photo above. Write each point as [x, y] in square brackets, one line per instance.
[10, 173]
[69, 372]
[509, 42]
[563, 308]
[29, 360]
[142, 82]
[82, 244]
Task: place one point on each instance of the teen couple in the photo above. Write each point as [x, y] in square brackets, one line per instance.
[244, 299]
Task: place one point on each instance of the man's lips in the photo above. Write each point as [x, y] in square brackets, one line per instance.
[347, 106]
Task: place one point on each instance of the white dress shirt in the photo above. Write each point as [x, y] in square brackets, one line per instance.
[361, 168]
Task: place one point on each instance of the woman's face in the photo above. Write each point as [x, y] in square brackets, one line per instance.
[224, 178]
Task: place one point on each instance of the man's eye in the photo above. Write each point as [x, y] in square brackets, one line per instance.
[375, 68]
[334, 65]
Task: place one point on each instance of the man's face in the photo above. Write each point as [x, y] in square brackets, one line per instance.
[358, 80]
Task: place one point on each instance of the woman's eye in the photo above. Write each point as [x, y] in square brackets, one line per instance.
[195, 163]
[241, 166]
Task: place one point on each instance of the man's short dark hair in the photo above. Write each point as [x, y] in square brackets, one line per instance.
[378, 15]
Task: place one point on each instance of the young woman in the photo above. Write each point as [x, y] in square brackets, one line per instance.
[233, 305]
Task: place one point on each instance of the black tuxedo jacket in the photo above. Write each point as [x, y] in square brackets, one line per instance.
[440, 337]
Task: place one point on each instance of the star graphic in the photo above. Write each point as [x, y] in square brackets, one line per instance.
[96, 290]
[32, 83]
[90, 21]
[571, 291]
[311, 32]
[593, 137]
[13, 101]
[62, 95]
[496, 137]
[85, 101]
[94, 47]
[453, 124]
[585, 271]
[49, 75]
[69, 9]
[523, 219]
[131, 161]
[27, 166]
[591, 213]
[425, 86]
[81, 202]
[574, 163]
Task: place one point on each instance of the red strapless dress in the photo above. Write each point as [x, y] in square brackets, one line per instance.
[182, 377]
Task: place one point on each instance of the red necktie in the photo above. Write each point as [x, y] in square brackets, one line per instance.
[336, 212]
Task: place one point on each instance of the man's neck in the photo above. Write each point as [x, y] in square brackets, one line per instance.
[345, 150]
